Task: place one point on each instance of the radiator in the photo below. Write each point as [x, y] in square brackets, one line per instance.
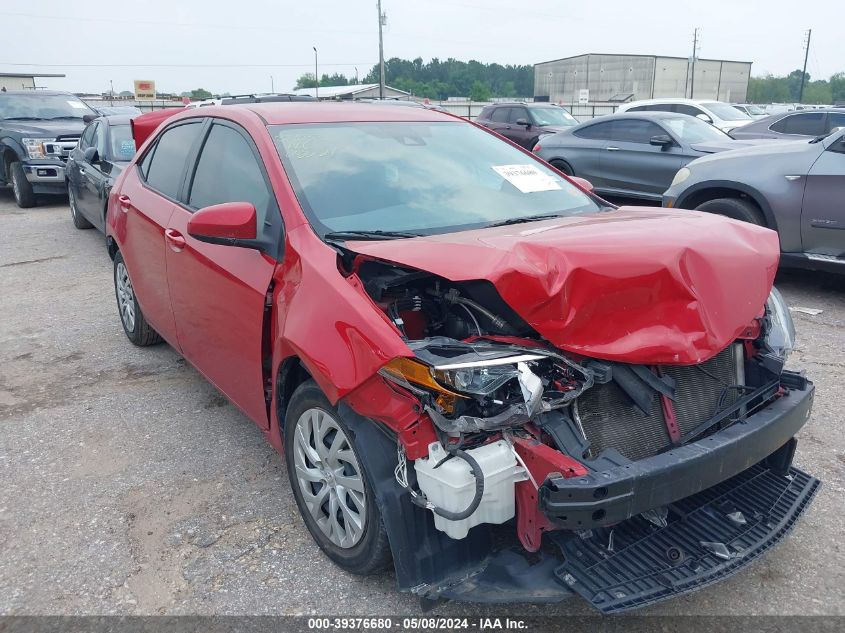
[610, 420]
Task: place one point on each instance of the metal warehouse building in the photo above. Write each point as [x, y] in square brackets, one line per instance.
[632, 77]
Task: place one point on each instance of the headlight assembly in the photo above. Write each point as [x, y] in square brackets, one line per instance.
[480, 378]
[780, 336]
[35, 146]
[681, 176]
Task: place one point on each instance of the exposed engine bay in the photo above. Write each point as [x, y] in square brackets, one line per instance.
[510, 411]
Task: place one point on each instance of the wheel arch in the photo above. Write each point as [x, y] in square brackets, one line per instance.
[712, 190]
[290, 374]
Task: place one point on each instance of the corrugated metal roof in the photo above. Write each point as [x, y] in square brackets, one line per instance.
[339, 91]
[700, 59]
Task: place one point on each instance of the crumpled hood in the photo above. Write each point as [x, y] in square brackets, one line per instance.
[635, 285]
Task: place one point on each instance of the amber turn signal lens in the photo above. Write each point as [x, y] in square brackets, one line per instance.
[418, 373]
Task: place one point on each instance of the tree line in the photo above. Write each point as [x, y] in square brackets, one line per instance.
[771, 89]
[440, 80]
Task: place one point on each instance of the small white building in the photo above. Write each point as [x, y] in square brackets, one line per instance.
[358, 91]
[21, 81]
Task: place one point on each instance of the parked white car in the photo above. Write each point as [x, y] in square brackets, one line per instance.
[723, 115]
[751, 109]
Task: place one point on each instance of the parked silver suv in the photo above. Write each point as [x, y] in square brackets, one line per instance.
[798, 193]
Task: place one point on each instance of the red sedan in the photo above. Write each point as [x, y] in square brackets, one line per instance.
[478, 370]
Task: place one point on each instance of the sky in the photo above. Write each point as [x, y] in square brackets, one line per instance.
[237, 47]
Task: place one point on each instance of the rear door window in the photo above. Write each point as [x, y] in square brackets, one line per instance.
[165, 170]
[500, 115]
[806, 123]
[633, 131]
[684, 108]
[599, 131]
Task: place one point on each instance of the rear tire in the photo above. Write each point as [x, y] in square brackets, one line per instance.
[735, 208]
[21, 187]
[79, 220]
[324, 464]
[134, 324]
[563, 166]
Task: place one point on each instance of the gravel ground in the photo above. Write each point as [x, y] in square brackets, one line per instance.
[131, 486]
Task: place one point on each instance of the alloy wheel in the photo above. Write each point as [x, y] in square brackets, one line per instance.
[329, 477]
[125, 297]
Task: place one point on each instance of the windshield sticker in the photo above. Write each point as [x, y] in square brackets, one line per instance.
[78, 105]
[527, 178]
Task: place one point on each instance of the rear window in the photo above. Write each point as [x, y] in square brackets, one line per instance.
[122, 145]
[808, 124]
[166, 166]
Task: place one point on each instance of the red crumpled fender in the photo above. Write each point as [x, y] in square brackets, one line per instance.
[635, 285]
[328, 320]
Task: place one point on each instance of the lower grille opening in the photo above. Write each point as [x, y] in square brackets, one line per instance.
[610, 420]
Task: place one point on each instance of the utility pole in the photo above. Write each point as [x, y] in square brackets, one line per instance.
[382, 20]
[356, 75]
[804, 72]
[272, 88]
[692, 73]
[316, 76]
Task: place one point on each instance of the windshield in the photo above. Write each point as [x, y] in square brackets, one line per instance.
[725, 111]
[418, 177]
[753, 109]
[552, 116]
[692, 130]
[42, 106]
[122, 144]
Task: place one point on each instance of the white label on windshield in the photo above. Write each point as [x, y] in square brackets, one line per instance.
[527, 178]
[77, 104]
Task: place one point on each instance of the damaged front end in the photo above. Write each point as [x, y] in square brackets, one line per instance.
[606, 458]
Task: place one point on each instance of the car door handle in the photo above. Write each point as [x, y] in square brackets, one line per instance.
[175, 239]
[612, 149]
[125, 202]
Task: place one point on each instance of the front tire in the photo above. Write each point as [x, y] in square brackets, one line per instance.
[735, 208]
[330, 484]
[135, 325]
[21, 187]
[79, 220]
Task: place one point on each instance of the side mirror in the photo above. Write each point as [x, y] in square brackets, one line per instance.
[87, 118]
[704, 117]
[227, 224]
[582, 182]
[91, 155]
[523, 122]
[661, 140]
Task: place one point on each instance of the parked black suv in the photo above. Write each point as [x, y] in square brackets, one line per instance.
[38, 131]
[525, 123]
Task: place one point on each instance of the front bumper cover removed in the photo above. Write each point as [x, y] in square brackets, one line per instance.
[613, 495]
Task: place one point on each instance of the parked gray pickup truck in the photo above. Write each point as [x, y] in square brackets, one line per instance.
[38, 130]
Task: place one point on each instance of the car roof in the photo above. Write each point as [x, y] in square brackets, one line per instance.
[510, 104]
[336, 112]
[672, 100]
[116, 119]
[648, 114]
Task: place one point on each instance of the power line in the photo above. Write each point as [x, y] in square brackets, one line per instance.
[192, 25]
[180, 65]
